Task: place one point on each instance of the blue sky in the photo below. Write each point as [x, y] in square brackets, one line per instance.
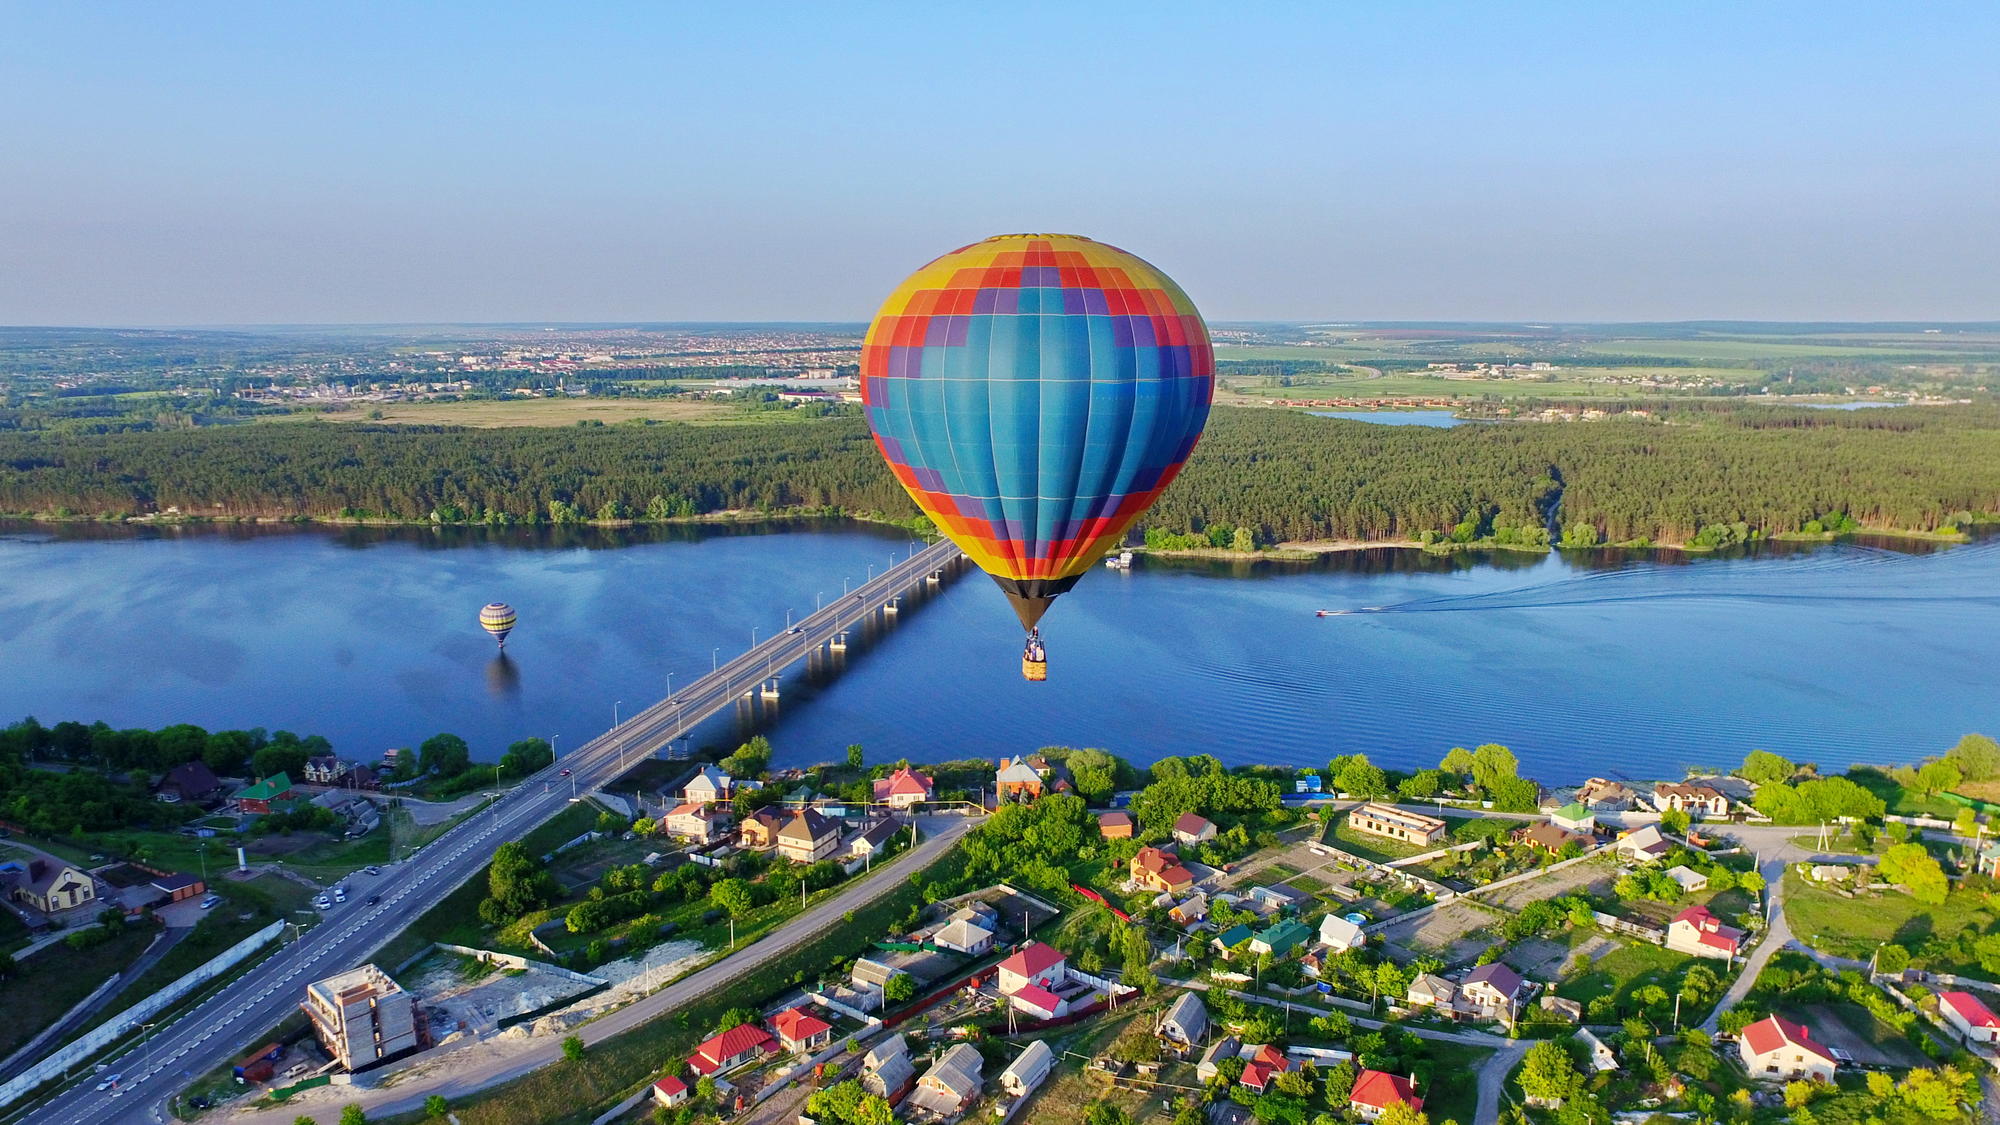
[204, 163]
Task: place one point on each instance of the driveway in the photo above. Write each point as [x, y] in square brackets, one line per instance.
[1774, 850]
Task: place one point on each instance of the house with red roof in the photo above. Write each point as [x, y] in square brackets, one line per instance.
[1156, 870]
[800, 1031]
[1973, 1019]
[1263, 1064]
[904, 788]
[1033, 964]
[670, 1091]
[1115, 825]
[1778, 1050]
[1696, 931]
[1039, 1002]
[1192, 828]
[1375, 1091]
[744, 1043]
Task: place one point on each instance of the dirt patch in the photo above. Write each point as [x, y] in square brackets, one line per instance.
[1455, 932]
[284, 844]
[1597, 874]
[461, 998]
[1538, 958]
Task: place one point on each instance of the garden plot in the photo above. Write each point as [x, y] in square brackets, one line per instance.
[1851, 1028]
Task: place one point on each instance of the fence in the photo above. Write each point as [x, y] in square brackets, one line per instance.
[1626, 926]
[117, 1026]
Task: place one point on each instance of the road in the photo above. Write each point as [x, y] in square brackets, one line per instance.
[477, 1067]
[213, 1033]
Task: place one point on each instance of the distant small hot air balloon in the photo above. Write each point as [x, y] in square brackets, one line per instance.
[1034, 393]
[498, 619]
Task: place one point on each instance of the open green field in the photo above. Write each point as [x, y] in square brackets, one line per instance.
[51, 982]
[1632, 966]
[489, 413]
[1425, 386]
[1853, 927]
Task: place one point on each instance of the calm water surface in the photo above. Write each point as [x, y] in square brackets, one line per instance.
[1633, 665]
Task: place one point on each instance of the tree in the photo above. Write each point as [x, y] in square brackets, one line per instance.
[1492, 764]
[303, 1119]
[572, 1048]
[353, 1115]
[1105, 1113]
[436, 1106]
[1798, 1093]
[854, 756]
[1936, 777]
[900, 988]
[1892, 959]
[444, 755]
[1987, 949]
[1675, 821]
[733, 895]
[1402, 1114]
[1762, 767]
[516, 882]
[1910, 865]
[1549, 1072]
[1361, 778]
[1976, 756]
[526, 756]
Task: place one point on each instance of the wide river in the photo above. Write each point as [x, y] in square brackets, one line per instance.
[1633, 665]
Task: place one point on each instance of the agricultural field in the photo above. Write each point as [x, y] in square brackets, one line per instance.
[491, 413]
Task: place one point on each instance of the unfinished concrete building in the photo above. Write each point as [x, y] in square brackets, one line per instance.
[361, 1016]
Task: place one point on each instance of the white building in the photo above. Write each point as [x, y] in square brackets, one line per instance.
[1778, 1050]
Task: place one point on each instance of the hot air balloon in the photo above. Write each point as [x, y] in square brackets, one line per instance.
[498, 619]
[1034, 393]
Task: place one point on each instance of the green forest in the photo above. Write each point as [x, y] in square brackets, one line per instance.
[1695, 473]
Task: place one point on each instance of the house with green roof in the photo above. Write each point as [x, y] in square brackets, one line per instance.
[1279, 939]
[1232, 937]
[260, 797]
[1574, 817]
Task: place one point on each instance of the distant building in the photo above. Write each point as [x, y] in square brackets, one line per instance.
[177, 887]
[361, 1017]
[193, 782]
[1603, 795]
[1115, 825]
[1190, 828]
[903, 788]
[1016, 780]
[1375, 1091]
[809, 836]
[1694, 798]
[876, 973]
[1689, 879]
[707, 787]
[1339, 933]
[1776, 1049]
[1395, 824]
[1973, 1019]
[260, 797]
[324, 768]
[1696, 931]
[1155, 870]
[1550, 837]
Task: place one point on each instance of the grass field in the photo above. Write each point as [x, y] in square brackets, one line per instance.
[1853, 927]
[53, 981]
[1422, 386]
[1625, 970]
[489, 413]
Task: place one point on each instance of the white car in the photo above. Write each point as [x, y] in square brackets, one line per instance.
[109, 1081]
[321, 903]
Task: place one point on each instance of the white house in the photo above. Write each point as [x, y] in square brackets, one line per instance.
[1574, 817]
[1644, 845]
[1694, 798]
[1034, 964]
[1338, 933]
[1973, 1019]
[1696, 931]
[1689, 879]
[1191, 828]
[706, 787]
[1601, 1058]
[962, 935]
[1776, 1049]
[1183, 1025]
[1026, 1072]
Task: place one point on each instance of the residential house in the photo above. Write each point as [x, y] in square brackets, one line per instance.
[1190, 828]
[719, 1054]
[800, 1031]
[1604, 795]
[1696, 931]
[1375, 1091]
[1156, 870]
[1038, 1002]
[876, 973]
[177, 887]
[1562, 1007]
[670, 1092]
[1601, 1057]
[809, 836]
[1184, 1025]
[1224, 1047]
[1973, 1019]
[1115, 825]
[1689, 879]
[1337, 932]
[1693, 798]
[1575, 817]
[904, 788]
[700, 823]
[1189, 911]
[1034, 964]
[260, 797]
[1494, 988]
[1233, 936]
[1016, 780]
[963, 935]
[872, 840]
[1644, 845]
[1776, 1049]
[361, 1016]
[193, 782]
[950, 1084]
[1027, 1071]
[1262, 1064]
[1279, 897]
[358, 777]
[1549, 837]
[1280, 939]
[322, 769]
[759, 830]
[51, 887]
[706, 787]
[886, 1070]
[1395, 824]
[1988, 862]
[1431, 991]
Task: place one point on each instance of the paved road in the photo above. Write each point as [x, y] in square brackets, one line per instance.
[477, 1067]
[213, 1032]
[1774, 850]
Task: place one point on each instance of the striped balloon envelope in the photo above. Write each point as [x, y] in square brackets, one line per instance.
[1034, 393]
[497, 618]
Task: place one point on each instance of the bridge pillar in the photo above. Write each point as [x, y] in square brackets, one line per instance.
[838, 643]
[889, 607]
[771, 688]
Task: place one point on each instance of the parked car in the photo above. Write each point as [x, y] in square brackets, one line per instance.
[321, 903]
[209, 903]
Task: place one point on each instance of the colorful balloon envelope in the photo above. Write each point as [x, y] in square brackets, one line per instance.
[1035, 393]
[498, 619]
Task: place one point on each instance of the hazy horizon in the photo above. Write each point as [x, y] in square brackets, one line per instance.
[212, 165]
